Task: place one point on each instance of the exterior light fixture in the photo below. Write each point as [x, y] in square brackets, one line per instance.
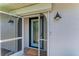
[57, 17]
[10, 21]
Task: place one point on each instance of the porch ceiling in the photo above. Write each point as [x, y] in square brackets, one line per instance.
[6, 7]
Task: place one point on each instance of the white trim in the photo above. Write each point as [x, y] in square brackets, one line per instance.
[23, 35]
[31, 31]
[0, 35]
[20, 53]
[48, 33]
[43, 39]
[9, 14]
[6, 40]
[39, 35]
[33, 15]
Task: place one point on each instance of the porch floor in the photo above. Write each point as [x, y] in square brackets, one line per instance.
[34, 52]
[5, 52]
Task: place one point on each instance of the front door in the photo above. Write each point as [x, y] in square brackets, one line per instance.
[37, 32]
[33, 42]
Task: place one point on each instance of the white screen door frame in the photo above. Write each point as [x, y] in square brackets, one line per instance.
[21, 52]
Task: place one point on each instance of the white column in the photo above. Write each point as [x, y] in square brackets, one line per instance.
[39, 35]
[23, 35]
[0, 35]
[48, 32]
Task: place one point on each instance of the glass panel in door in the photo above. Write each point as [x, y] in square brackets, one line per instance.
[33, 32]
[33, 37]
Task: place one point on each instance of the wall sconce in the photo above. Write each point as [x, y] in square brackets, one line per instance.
[57, 17]
[10, 21]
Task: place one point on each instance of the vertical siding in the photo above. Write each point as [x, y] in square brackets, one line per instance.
[26, 32]
[64, 33]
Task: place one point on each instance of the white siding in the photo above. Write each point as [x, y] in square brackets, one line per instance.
[26, 32]
[64, 33]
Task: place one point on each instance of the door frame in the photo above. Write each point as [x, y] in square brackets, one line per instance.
[30, 32]
[48, 24]
[31, 18]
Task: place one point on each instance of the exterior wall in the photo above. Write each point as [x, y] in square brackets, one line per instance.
[26, 32]
[64, 33]
[8, 31]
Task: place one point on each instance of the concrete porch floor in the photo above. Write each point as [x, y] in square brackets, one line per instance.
[5, 52]
[34, 52]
